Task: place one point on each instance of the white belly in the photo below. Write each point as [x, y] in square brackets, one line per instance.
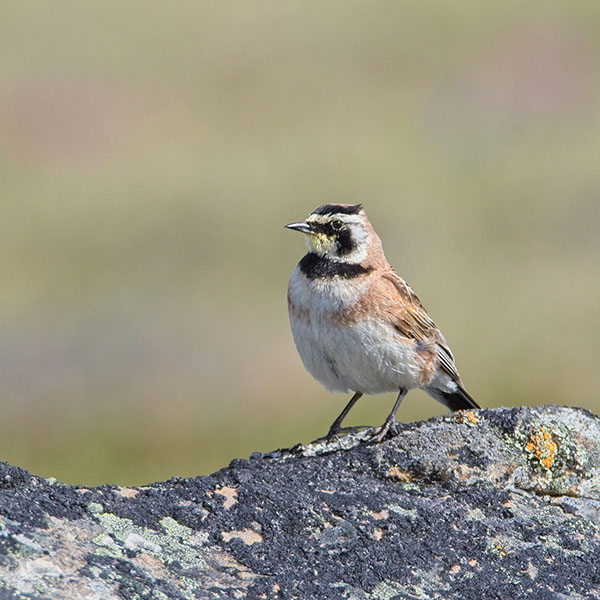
[363, 357]
[367, 356]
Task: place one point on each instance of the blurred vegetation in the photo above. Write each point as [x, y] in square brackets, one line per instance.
[151, 154]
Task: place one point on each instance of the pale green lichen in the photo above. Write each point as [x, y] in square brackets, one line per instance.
[475, 514]
[22, 549]
[386, 590]
[95, 508]
[176, 543]
[172, 527]
[411, 513]
[39, 586]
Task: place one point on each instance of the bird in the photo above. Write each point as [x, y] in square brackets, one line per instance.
[358, 326]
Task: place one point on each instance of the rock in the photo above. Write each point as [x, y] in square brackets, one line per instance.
[501, 503]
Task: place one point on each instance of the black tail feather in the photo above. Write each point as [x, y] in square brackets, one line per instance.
[459, 400]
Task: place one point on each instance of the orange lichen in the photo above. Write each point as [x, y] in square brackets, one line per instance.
[248, 536]
[542, 446]
[127, 492]
[230, 494]
[466, 415]
[395, 472]
[382, 514]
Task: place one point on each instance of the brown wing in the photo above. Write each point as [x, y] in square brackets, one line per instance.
[410, 318]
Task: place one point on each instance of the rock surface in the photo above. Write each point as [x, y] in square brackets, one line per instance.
[501, 503]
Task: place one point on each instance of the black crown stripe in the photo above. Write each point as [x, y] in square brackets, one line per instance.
[338, 209]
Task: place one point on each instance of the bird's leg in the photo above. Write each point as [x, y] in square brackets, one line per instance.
[336, 426]
[389, 425]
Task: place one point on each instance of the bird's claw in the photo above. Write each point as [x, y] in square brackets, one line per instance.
[388, 430]
[335, 433]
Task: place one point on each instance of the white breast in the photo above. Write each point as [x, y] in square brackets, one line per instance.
[366, 355]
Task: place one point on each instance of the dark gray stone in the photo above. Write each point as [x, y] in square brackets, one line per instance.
[501, 503]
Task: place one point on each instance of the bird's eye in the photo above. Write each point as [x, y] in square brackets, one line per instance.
[337, 224]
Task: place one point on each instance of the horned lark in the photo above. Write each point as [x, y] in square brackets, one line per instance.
[357, 325]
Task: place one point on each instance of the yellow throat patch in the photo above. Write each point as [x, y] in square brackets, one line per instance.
[319, 243]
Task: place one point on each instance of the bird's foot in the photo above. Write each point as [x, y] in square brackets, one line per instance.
[388, 430]
[335, 433]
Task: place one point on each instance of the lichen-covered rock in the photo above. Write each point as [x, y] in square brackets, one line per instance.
[500, 503]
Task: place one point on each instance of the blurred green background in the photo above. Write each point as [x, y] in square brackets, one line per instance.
[151, 153]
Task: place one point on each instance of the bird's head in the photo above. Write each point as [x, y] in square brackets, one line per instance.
[339, 232]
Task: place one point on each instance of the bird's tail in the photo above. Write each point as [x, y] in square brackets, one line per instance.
[458, 400]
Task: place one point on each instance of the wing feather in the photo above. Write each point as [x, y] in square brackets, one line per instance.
[410, 318]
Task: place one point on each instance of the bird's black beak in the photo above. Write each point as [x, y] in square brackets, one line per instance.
[303, 227]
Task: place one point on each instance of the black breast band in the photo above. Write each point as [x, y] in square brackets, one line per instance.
[315, 266]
